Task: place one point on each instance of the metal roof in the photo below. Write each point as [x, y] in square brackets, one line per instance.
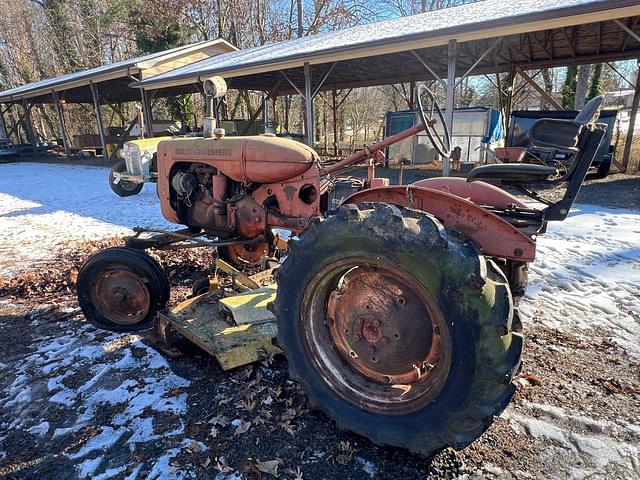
[118, 73]
[372, 48]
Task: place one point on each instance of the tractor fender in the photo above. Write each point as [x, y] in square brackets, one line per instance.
[480, 193]
[495, 236]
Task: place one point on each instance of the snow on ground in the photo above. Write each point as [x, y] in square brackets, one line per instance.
[44, 206]
[587, 275]
[92, 381]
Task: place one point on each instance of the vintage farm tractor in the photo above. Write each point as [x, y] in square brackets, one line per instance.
[397, 311]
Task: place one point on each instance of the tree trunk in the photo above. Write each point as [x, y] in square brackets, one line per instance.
[581, 86]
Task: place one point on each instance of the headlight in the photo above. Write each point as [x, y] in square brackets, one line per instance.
[147, 156]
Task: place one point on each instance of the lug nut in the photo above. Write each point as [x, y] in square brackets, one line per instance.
[376, 323]
[357, 337]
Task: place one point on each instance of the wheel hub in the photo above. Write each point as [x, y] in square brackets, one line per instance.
[249, 254]
[377, 336]
[380, 333]
[121, 296]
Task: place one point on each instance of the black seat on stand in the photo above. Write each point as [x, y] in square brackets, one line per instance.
[548, 133]
[511, 172]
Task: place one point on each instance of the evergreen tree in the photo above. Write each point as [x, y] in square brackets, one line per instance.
[569, 87]
[595, 86]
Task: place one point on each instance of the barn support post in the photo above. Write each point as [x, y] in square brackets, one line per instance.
[308, 95]
[510, 92]
[58, 106]
[98, 110]
[308, 104]
[334, 111]
[29, 125]
[451, 90]
[631, 164]
[147, 111]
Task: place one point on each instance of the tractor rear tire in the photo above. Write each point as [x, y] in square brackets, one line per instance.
[380, 281]
[123, 188]
[121, 289]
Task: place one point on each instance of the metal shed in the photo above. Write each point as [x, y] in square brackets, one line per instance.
[446, 45]
[108, 84]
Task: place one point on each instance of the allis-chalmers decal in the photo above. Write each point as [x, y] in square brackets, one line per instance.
[204, 152]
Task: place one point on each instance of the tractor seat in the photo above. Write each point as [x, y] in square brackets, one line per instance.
[511, 172]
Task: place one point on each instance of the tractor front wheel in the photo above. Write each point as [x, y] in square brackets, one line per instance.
[398, 330]
[123, 188]
[121, 289]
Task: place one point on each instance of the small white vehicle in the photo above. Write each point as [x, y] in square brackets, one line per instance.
[128, 176]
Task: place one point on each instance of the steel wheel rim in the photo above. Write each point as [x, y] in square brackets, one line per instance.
[121, 296]
[248, 254]
[411, 356]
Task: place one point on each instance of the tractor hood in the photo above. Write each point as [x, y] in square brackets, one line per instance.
[258, 159]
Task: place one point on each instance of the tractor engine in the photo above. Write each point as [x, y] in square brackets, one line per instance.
[200, 197]
[238, 186]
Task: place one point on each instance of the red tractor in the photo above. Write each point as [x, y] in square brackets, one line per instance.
[397, 311]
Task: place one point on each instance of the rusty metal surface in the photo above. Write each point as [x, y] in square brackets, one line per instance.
[495, 236]
[368, 152]
[121, 296]
[480, 193]
[377, 337]
[243, 159]
[249, 254]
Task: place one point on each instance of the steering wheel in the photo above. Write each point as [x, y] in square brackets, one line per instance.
[441, 144]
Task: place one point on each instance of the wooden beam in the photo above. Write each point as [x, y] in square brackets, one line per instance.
[539, 89]
[569, 42]
[542, 46]
[634, 22]
[629, 31]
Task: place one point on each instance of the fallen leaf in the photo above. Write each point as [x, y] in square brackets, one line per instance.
[243, 427]
[219, 420]
[269, 466]
[286, 426]
[214, 432]
[532, 378]
[405, 388]
[290, 414]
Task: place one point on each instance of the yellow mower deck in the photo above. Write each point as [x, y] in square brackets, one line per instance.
[237, 330]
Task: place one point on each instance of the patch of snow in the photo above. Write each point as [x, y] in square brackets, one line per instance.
[107, 438]
[591, 453]
[163, 470]
[368, 466]
[587, 274]
[44, 206]
[142, 430]
[86, 468]
[110, 473]
[40, 430]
